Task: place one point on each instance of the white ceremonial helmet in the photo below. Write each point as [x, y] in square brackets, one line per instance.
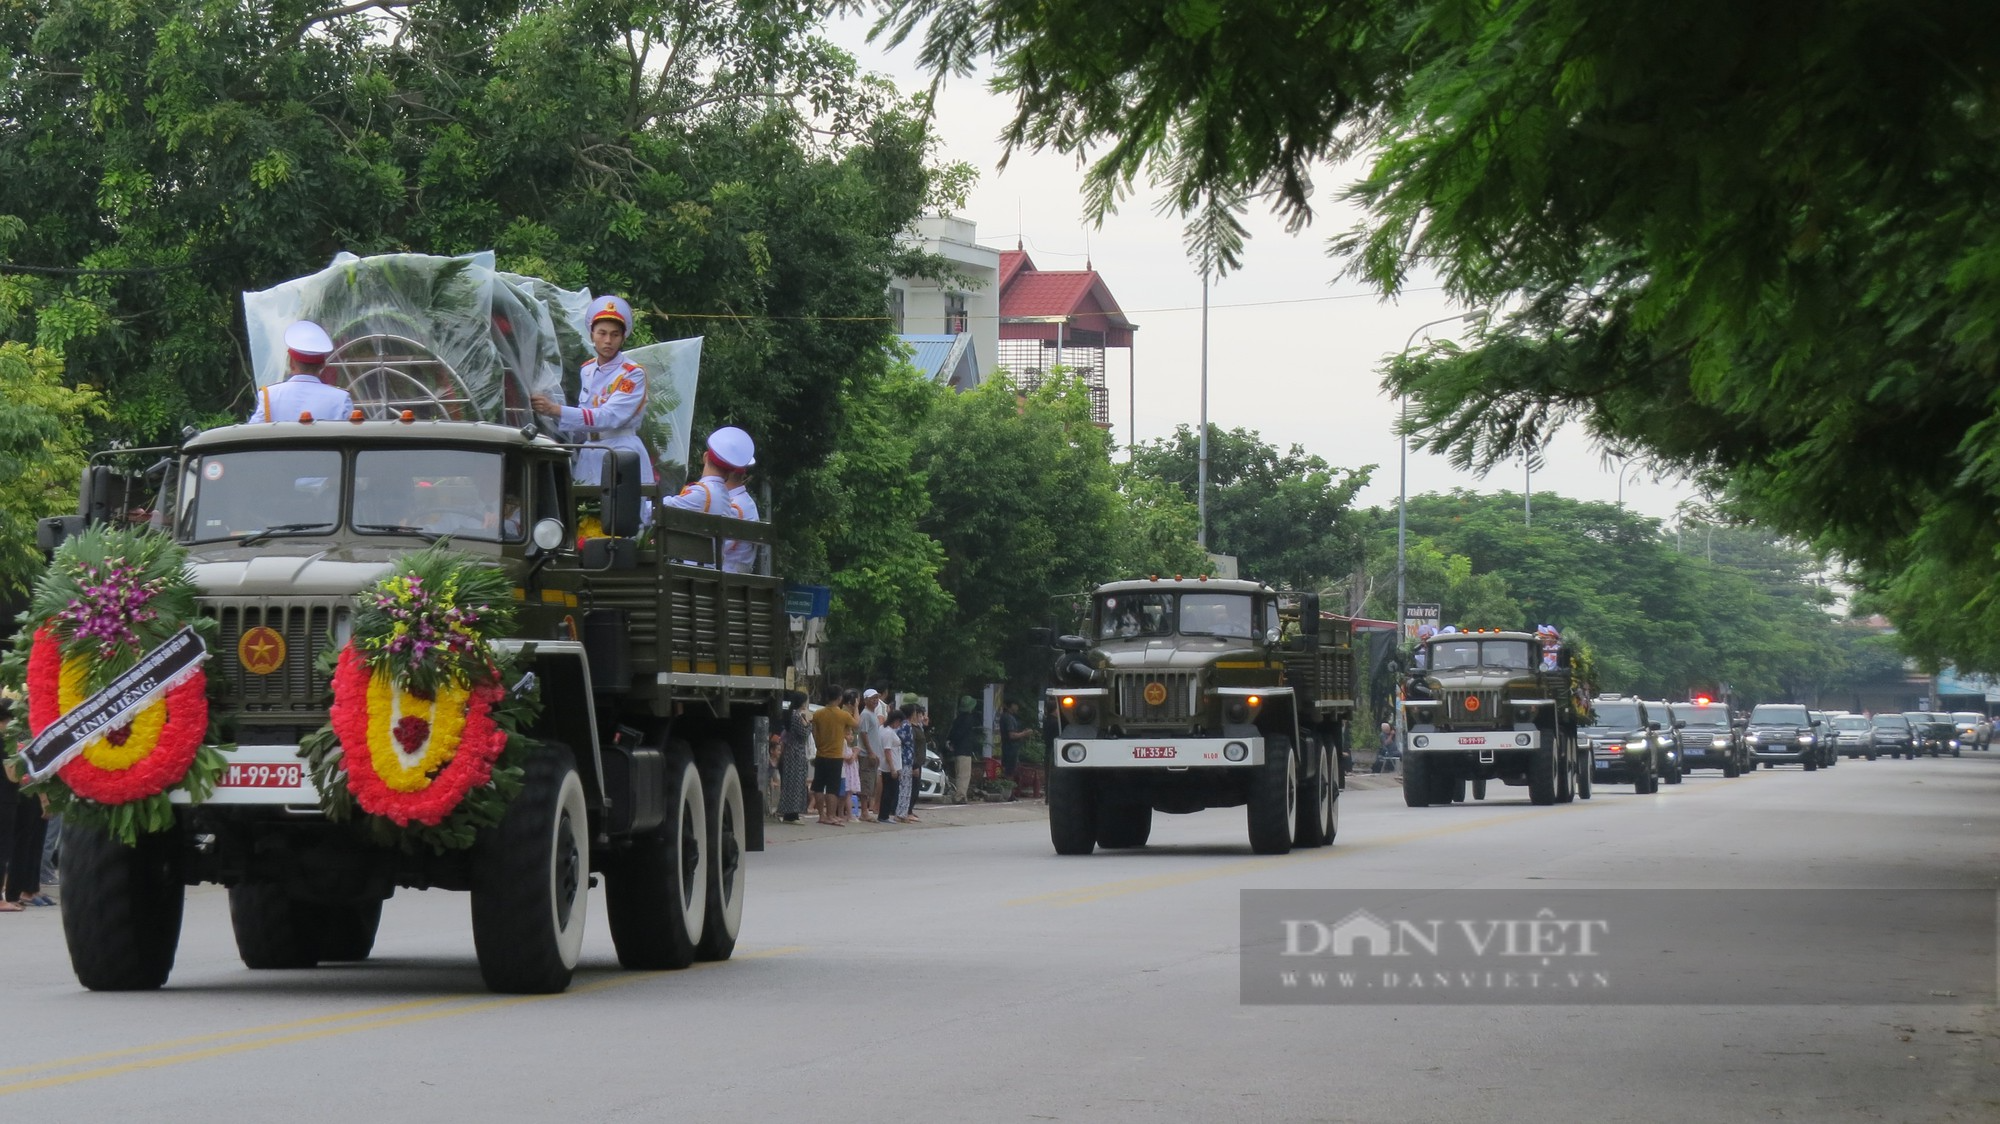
[732, 447]
[307, 341]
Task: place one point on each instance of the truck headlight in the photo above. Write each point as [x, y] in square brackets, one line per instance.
[1072, 753]
[1420, 741]
[1235, 751]
[1522, 739]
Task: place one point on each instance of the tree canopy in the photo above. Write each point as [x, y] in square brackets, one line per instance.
[1755, 243]
[1284, 515]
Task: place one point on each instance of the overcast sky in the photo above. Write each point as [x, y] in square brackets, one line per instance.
[1294, 351]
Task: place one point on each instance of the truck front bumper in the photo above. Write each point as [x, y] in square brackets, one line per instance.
[1470, 741]
[1159, 753]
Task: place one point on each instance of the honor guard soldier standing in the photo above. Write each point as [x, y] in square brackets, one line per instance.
[738, 555]
[611, 403]
[306, 392]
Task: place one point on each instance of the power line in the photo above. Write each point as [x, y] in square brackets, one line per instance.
[986, 316]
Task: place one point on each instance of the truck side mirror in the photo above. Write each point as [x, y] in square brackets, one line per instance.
[1309, 616]
[620, 479]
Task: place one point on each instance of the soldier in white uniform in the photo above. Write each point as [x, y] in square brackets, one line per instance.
[611, 403]
[711, 493]
[305, 391]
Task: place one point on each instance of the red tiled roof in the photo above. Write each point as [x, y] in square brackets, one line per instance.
[1077, 293]
[1012, 262]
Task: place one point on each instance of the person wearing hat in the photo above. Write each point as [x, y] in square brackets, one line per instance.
[611, 402]
[738, 555]
[307, 388]
[730, 450]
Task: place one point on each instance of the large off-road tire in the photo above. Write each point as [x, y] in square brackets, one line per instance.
[1586, 766]
[274, 930]
[347, 931]
[121, 908]
[1274, 798]
[1542, 777]
[1319, 796]
[1479, 788]
[1072, 811]
[1124, 825]
[531, 881]
[722, 786]
[656, 893]
[1416, 781]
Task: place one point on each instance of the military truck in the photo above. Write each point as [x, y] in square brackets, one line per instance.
[657, 672]
[1479, 707]
[1199, 693]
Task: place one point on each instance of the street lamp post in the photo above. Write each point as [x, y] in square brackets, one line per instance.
[1403, 469]
[1624, 471]
[1201, 463]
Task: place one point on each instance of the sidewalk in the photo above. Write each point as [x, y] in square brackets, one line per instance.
[934, 815]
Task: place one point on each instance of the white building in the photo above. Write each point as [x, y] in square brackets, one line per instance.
[967, 306]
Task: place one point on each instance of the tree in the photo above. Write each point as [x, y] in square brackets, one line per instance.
[720, 163]
[1752, 243]
[43, 447]
[1285, 516]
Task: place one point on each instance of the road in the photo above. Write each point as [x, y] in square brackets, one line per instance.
[961, 971]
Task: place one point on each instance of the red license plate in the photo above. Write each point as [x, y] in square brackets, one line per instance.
[262, 776]
[1153, 751]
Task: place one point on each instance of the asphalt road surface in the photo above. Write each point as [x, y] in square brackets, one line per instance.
[961, 971]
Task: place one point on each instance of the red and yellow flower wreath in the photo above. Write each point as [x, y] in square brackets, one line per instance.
[111, 596]
[423, 739]
[410, 759]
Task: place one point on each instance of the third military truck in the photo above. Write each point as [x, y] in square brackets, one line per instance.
[1480, 707]
[1200, 693]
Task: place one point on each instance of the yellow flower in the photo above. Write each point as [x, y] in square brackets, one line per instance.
[388, 705]
[146, 725]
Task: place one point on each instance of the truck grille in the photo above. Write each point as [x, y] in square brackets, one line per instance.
[1474, 708]
[1130, 691]
[294, 686]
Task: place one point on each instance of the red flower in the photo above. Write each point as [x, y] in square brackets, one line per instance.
[162, 768]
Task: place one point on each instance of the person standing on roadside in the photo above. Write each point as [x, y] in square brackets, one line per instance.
[962, 745]
[872, 712]
[1013, 735]
[21, 845]
[889, 750]
[914, 738]
[794, 758]
[831, 725]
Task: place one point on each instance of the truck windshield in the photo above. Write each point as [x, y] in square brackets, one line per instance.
[258, 492]
[459, 492]
[1126, 615]
[1216, 614]
[1474, 653]
[1781, 715]
[1624, 715]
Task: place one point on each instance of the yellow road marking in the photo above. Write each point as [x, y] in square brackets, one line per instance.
[269, 1036]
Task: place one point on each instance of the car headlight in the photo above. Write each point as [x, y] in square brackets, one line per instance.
[1635, 745]
[1719, 743]
[1753, 739]
[1954, 743]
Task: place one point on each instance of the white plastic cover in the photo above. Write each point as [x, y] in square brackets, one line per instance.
[453, 337]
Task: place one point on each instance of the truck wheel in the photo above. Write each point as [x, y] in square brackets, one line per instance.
[656, 894]
[346, 931]
[1565, 779]
[1072, 812]
[531, 881]
[274, 930]
[1542, 778]
[1479, 788]
[1316, 804]
[121, 908]
[1121, 826]
[722, 918]
[1416, 781]
[1585, 763]
[1274, 799]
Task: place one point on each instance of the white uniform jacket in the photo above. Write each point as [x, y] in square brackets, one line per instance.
[738, 556]
[301, 394]
[612, 405]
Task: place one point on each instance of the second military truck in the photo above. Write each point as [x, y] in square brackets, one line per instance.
[1200, 693]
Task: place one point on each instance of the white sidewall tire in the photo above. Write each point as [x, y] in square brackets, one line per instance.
[571, 818]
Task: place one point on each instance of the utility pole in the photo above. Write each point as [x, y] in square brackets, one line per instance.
[1201, 467]
[1403, 473]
